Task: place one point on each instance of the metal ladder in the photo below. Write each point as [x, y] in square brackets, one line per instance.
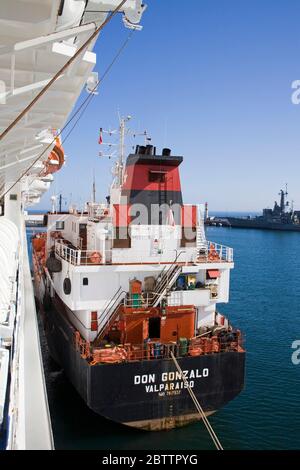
[167, 279]
[201, 242]
[111, 311]
[109, 314]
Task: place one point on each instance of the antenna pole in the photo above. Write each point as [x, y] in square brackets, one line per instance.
[122, 151]
[120, 170]
[94, 188]
[53, 204]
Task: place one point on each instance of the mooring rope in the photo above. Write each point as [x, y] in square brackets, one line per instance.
[198, 406]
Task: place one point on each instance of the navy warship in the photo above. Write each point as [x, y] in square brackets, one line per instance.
[281, 217]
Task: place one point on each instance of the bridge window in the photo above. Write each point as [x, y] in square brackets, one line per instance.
[60, 225]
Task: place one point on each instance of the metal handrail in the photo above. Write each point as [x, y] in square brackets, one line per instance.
[146, 299]
[225, 253]
[161, 275]
[111, 300]
[105, 317]
[152, 350]
[79, 257]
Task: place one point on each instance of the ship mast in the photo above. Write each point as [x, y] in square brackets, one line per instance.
[281, 200]
[94, 188]
[120, 164]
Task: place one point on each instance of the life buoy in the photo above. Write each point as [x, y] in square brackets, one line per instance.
[95, 257]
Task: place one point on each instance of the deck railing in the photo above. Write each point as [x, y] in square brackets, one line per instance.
[151, 350]
[214, 253]
[79, 257]
[75, 256]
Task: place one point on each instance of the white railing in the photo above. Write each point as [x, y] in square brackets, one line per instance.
[216, 252]
[79, 257]
[145, 300]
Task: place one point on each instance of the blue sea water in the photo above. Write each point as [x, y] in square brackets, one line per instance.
[265, 305]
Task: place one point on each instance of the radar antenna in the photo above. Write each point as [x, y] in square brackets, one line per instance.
[122, 132]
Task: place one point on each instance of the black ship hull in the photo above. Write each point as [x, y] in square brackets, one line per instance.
[262, 224]
[145, 394]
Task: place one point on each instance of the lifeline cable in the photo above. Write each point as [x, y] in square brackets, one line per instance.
[62, 69]
[82, 107]
[90, 97]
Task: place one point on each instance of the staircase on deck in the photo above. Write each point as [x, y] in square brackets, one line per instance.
[162, 287]
[201, 242]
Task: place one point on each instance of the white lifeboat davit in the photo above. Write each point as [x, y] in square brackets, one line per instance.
[39, 185]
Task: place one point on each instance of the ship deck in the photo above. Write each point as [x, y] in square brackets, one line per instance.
[77, 257]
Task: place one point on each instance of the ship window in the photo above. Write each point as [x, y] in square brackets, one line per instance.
[157, 176]
[85, 281]
[60, 225]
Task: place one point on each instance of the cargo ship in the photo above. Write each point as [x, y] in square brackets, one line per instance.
[281, 217]
[126, 286]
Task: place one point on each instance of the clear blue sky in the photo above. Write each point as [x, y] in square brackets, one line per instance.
[212, 81]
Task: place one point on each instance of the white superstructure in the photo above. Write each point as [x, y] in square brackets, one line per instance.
[37, 37]
[98, 270]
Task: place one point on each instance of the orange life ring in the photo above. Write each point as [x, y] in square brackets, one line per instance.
[95, 257]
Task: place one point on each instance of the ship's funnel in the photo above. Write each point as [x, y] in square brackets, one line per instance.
[149, 150]
[166, 152]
